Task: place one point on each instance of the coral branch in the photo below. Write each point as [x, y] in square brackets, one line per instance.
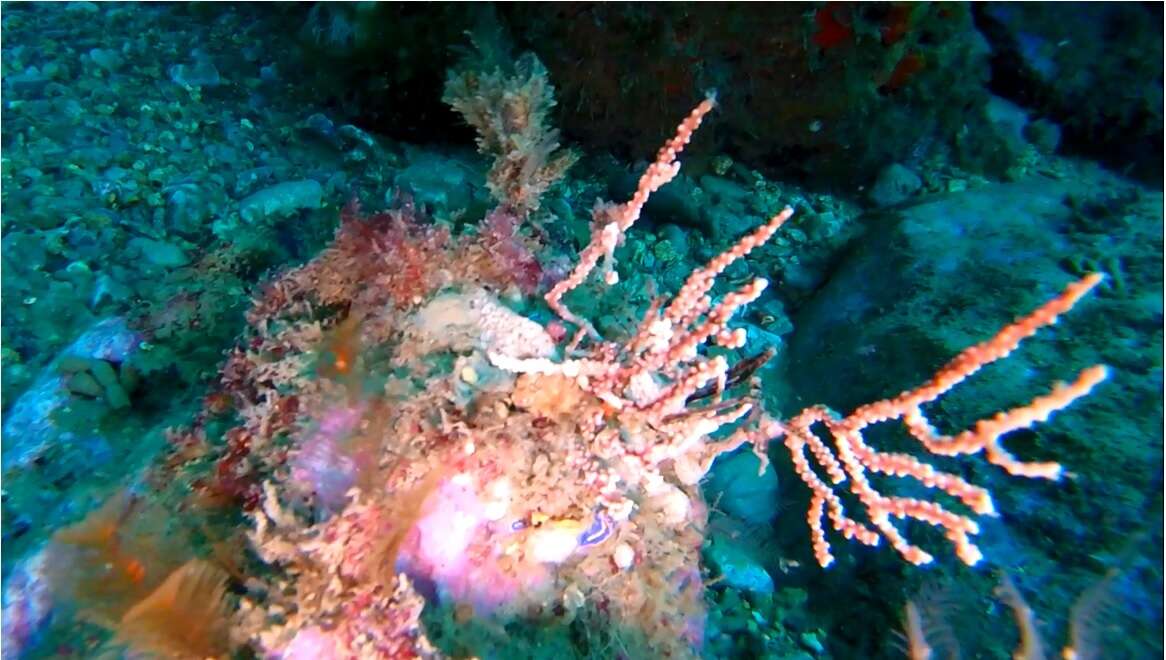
[611, 222]
[852, 457]
[651, 377]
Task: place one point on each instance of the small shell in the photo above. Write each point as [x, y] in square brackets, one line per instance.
[498, 504]
[675, 507]
[623, 556]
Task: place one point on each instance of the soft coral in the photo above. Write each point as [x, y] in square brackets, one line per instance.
[399, 255]
[509, 256]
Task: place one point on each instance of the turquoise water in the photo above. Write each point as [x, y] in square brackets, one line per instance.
[389, 330]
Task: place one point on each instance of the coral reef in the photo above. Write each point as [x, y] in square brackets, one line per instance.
[498, 416]
[465, 456]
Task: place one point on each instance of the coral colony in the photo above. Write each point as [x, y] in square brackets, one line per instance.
[545, 473]
[404, 438]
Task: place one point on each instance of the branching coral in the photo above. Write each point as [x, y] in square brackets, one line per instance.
[649, 380]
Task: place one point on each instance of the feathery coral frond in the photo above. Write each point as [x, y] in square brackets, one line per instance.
[185, 617]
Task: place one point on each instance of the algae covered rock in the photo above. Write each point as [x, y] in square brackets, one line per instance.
[281, 200]
[30, 427]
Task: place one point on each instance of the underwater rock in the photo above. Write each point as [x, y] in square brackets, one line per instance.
[281, 200]
[106, 58]
[725, 191]
[738, 490]
[438, 182]
[29, 246]
[29, 428]
[676, 238]
[108, 289]
[1044, 134]
[827, 106]
[736, 568]
[160, 253]
[761, 339]
[1006, 125]
[188, 207]
[1096, 71]
[200, 73]
[895, 184]
[320, 125]
[355, 136]
[98, 379]
[27, 605]
[1007, 118]
[726, 211]
[874, 320]
[29, 83]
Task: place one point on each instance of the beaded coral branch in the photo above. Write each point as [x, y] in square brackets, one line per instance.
[652, 376]
[852, 457]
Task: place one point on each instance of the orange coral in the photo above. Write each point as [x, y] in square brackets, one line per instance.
[851, 458]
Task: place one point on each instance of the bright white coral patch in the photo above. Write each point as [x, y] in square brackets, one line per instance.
[552, 544]
[623, 556]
